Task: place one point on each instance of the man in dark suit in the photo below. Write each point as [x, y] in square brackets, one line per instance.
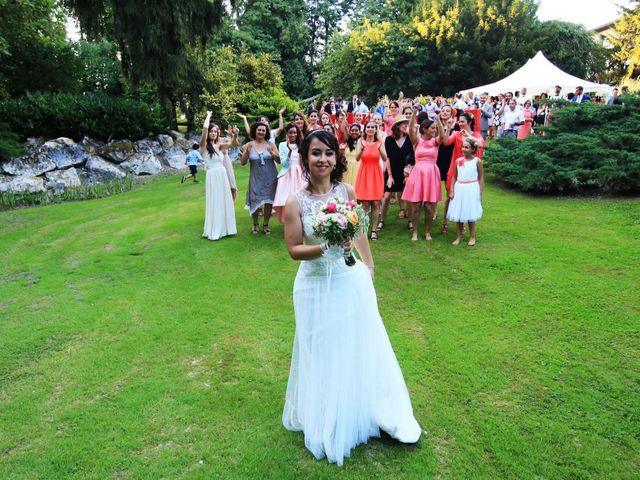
[581, 97]
[352, 104]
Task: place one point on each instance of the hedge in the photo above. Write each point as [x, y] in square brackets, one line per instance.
[587, 148]
[97, 115]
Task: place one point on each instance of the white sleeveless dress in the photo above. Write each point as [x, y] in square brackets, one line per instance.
[466, 205]
[220, 215]
[345, 383]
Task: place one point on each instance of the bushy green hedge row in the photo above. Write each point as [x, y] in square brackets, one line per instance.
[98, 115]
[586, 148]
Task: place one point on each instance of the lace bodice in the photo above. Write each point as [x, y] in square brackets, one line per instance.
[309, 206]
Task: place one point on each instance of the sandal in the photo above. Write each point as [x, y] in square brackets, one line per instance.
[410, 225]
[254, 230]
[266, 230]
[380, 225]
[374, 235]
[445, 228]
[401, 214]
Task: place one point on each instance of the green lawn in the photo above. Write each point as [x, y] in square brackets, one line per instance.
[131, 347]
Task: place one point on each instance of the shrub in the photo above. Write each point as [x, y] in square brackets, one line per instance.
[63, 114]
[586, 148]
[9, 143]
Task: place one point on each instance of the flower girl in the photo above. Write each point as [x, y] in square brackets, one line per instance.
[466, 192]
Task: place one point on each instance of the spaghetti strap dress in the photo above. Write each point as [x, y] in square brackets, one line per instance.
[370, 181]
[263, 179]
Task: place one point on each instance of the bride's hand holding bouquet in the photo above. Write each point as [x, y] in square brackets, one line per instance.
[338, 222]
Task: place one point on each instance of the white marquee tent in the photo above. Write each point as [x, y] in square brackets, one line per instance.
[540, 75]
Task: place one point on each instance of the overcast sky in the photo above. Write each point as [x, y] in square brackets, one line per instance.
[590, 13]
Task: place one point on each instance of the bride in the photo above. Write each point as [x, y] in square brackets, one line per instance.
[220, 216]
[345, 383]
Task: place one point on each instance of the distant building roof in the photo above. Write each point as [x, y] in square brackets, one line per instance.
[604, 27]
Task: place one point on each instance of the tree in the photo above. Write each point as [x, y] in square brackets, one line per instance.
[102, 72]
[625, 41]
[445, 46]
[153, 42]
[277, 27]
[560, 41]
[34, 53]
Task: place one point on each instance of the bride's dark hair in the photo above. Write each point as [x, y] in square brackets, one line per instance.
[330, 141]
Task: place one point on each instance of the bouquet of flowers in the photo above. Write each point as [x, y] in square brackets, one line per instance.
[339, 221]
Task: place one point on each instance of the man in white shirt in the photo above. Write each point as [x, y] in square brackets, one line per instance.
[512, 119]
[460, 104]
[523, 96]
[557, 95]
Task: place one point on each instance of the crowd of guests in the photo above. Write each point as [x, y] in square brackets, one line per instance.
[398, 151]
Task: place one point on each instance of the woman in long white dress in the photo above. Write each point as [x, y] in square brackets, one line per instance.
[220, 215]
[345, 383]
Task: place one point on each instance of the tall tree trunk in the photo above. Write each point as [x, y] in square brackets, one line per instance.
[167, 107]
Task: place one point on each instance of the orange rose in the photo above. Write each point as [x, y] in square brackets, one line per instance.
[353, 218]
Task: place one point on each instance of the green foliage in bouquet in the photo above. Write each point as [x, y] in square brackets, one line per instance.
[586, 148]
[69, 115]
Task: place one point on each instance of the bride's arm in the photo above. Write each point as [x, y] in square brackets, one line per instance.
[293, 233]
[362, 243]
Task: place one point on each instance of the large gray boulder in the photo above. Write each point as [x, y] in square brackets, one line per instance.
[21, 184]
[64, 152]
[175, 158]
[61, 179]
[30, 165]
[117, 151]
[165, 141]
[147, 146]
[100, 171]
[184, 143]
[92, 145]
[143, 164]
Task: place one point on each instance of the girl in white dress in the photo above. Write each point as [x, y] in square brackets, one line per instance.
[220, 215]
[466, 193]
[345, 383]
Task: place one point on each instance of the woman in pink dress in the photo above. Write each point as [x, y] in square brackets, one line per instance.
[290, 178]
[525, 130]
[423, 184]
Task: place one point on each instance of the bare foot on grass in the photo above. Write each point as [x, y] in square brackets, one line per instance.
[472, 242]
[427, 237]
[456, 241]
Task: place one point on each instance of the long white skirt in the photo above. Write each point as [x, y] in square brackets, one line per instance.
[345, 382]
[465, 205]
[219, 215]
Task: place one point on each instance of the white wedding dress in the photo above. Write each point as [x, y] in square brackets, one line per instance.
[345, 383]
[220, 214]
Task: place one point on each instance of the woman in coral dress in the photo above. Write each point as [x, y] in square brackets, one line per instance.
[423, 185]
[525, 130]
[370, 180]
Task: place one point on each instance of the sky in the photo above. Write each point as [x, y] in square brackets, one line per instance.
[590, 13]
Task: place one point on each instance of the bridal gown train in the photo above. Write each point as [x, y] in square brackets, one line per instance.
[345, 383]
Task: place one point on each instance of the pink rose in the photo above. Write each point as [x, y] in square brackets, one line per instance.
[350, 204]
[331, 207]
